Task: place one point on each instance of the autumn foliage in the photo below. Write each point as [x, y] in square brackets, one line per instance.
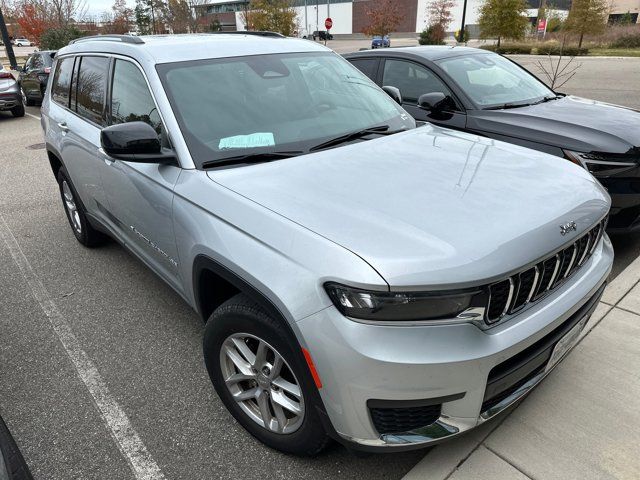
[32, 20]
[383, 18]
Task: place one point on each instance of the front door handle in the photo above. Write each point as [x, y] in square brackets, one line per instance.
[106, 158]
[63, 126]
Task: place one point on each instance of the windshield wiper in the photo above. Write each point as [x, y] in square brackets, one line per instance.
[504, 106]
[546, 99]
[379, 130]
[250, 158]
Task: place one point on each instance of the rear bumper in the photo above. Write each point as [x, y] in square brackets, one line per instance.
[8, 100]
[444, 368]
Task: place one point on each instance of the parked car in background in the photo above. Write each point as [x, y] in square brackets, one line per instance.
[10, 98]
[360, 278]
[322, 35]
[380, 42]
[23, 42]
[34, 76]
[485, 93]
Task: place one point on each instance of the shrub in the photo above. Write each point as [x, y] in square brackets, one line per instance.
[432, 35]
[557, 48]
[627, 41]
[510, 49]
[56, 38]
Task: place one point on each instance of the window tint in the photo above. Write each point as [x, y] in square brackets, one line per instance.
[412, 79]
[131, 100]
[91, 87]
[492, 80]
[62, 81]
[368, 66]
[28, 63]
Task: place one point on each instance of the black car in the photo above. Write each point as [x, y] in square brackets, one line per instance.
[34, 76]
[487, 94]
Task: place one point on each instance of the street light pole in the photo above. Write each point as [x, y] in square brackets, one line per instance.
[464, 14]
[7, 43]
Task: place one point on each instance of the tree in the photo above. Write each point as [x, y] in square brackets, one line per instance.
[439, 12]
[432, 35]
[64, 11]
[587, 17]
[142, 14]
[383, 17]
[33, 18]
[178, 16]
[503, 19]
[215, 25]
[271, 15]
[56, 38]
[121, 17]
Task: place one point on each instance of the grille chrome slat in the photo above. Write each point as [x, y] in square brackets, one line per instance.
[512, 294]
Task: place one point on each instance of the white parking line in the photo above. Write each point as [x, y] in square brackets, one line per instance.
[127, 439]
[32, 116]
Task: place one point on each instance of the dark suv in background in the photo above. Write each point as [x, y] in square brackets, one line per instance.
[35, 75]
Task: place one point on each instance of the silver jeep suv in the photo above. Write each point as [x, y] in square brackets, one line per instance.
[361, 279]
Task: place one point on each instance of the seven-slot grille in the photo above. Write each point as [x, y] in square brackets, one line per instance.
[514, 293]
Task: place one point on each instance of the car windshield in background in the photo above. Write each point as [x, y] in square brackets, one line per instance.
[493, 81]
[254, 105]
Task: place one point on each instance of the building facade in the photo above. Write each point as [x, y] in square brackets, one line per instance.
[350, 17]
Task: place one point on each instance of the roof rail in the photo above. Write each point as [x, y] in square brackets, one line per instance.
[259, 33]
[110, 38]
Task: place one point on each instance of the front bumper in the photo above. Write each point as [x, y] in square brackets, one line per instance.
[625, 202]
[363, 364]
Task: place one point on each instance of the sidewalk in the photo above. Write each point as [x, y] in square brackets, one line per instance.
[582, 422]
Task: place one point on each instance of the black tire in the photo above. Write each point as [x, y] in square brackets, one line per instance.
[86, 234]
[241, 315]
[12, 464]
[18, 110]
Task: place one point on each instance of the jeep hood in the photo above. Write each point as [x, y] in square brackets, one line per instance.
[431, 206]
[572, 123]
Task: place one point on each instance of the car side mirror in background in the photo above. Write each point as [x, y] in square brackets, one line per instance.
[135, 142]
[433, 102]
[394, 93]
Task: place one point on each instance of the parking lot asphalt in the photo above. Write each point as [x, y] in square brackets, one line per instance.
[143, 341]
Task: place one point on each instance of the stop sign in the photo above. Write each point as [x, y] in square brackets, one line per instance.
[328, 23]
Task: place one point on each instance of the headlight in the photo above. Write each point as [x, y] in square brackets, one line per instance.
[603, 165]
[462, 305]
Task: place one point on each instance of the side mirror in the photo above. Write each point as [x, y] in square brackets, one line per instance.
[433, 102]
[394, 93]
[135, 142]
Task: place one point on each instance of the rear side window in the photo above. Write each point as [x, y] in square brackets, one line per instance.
[92, 81]
[368, 66]
[62, 81]
[131, 100]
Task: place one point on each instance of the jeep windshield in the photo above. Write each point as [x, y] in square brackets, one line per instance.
[256, 105]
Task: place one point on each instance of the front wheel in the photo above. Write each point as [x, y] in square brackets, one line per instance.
[80, 226]
[261, 378]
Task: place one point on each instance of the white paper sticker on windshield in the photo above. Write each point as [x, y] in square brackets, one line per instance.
[261, 139]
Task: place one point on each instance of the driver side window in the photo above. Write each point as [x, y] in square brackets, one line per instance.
[131, 100]
[412, 79]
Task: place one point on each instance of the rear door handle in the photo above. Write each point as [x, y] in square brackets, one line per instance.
[63, 126]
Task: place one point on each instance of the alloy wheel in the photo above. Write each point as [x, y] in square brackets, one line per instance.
[262, 383]
[72, 208]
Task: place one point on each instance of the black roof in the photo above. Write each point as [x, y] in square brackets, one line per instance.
[429, 52]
